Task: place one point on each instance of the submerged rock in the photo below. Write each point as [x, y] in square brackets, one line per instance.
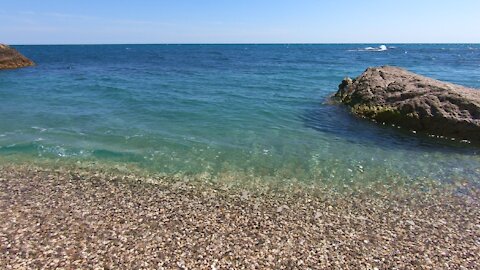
[11, 58]
[396, 96]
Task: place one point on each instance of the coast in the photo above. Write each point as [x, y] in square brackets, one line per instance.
[67, 217]
[12, 59]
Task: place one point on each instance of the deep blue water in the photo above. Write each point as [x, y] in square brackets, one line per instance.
[229, 111]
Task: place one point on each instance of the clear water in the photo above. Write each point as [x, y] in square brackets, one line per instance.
[238, 111]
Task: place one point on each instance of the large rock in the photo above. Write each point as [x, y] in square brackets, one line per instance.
[395, 96]
[11, 58]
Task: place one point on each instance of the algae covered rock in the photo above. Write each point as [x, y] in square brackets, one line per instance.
[11, 58]
[396, 96]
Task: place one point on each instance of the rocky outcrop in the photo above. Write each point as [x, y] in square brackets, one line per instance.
[395, 96]
[11, 58]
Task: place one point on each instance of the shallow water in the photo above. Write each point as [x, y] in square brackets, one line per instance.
[237, 111]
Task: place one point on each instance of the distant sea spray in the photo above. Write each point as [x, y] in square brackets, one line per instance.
[380, 48]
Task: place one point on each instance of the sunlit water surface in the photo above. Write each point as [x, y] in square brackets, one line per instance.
[237, 111]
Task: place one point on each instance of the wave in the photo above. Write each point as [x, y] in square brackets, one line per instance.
[40, 129]
[380, 48]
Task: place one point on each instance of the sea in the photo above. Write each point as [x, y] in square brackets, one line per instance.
[239, 111]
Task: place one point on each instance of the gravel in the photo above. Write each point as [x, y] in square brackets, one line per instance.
[76, 218]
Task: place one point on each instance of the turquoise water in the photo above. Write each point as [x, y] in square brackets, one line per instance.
[232, 111]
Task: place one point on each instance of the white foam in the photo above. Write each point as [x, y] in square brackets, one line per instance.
[380, 48]
[39, 128]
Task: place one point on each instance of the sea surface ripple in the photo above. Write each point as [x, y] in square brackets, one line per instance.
[239, 111]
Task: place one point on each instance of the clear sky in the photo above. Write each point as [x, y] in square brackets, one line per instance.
[239, 21]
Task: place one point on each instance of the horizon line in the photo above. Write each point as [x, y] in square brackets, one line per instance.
[243, 43]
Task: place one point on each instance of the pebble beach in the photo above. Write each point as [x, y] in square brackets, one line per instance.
[65, 218]
[239, 135]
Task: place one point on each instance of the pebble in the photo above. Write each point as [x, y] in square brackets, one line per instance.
[50, 220]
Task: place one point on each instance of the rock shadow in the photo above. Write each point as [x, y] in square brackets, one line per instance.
[337, 121]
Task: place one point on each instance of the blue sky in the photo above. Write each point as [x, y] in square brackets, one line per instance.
[240, 21]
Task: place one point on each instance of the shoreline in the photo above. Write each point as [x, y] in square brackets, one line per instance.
[79, 217]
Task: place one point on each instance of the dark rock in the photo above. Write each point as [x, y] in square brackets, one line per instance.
[395, 96]
[11, 58]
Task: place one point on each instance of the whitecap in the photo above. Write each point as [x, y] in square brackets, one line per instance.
[380, 48]
[39, 128]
